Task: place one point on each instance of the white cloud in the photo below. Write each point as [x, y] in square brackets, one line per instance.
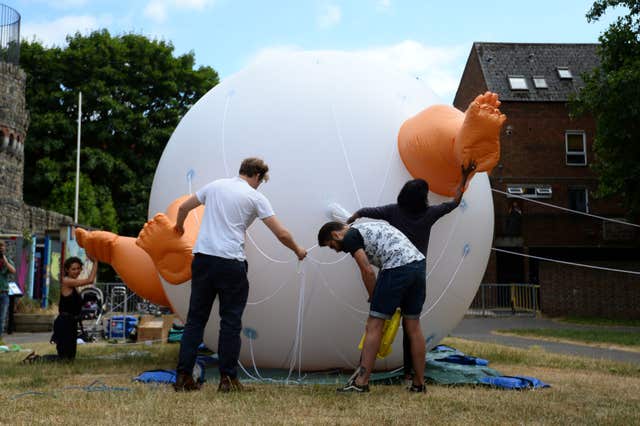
[439, 66]
[54, 32]
[59, 4]
[156, 10]
[193, 4]
[330, 17]
[383, 5]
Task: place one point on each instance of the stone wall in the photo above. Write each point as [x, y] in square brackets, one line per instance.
[37, 220]
[15, 216]
[13, 130]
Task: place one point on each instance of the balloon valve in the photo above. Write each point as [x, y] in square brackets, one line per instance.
[463, 205]
[250, 333]
[466, 249]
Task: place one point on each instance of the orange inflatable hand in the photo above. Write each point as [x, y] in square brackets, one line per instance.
[170, 253]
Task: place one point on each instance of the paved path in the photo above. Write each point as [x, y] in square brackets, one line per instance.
[480, 329]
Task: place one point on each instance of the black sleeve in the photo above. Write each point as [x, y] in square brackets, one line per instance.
[382, 212]
[442, 209]
[352, 241]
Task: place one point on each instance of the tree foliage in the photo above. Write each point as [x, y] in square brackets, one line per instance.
[612, 95]
[134, 93]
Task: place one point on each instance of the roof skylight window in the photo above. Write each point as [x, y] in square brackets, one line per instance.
[564, 73]
[517, 82]
[540, 82]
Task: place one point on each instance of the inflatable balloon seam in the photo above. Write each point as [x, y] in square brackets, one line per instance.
[446, 288]
[346, 157]
[446, 244]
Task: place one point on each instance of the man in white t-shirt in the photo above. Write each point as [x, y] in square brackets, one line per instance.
[219, 266]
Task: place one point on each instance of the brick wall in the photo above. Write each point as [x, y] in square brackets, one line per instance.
[576, 291]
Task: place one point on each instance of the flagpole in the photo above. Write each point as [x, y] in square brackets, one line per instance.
[75, 214]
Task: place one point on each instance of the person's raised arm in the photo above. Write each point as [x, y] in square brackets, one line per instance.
[79, 282]
[381, 213]
[366, 270]
[184, 209]
[284, 236]
[466, 172]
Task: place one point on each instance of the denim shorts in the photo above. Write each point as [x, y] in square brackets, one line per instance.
[403, 287]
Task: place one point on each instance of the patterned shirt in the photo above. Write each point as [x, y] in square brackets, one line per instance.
[384, 245]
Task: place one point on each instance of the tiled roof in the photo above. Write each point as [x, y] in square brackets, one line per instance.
[498, 61]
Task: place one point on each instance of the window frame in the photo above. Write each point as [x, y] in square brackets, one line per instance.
[586, 197]
[540, 77]
[524, 80]
[567, 153]
[561, 69]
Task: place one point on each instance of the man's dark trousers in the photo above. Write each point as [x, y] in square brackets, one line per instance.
[213, 276]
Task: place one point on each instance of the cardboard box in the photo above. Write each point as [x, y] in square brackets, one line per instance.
[154, 328]
[151, 331]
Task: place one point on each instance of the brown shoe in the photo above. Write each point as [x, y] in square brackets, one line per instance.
[231, 384]
[185, 383]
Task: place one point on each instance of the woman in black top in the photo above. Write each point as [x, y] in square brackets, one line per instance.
[65, 327]
[414, 217]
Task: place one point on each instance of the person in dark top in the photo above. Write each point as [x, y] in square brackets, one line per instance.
[65, 326]
[414, 217]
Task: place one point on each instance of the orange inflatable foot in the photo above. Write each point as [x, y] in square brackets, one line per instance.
[479, 136]
[130, 262]
[97, 244]
[170, 252]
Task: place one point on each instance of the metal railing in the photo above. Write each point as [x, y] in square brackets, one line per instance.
[9, 35]
[506, 299]
[119, 299]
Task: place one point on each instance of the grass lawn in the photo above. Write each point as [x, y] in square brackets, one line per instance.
[584, 391]
[601, 321]
[623, 339]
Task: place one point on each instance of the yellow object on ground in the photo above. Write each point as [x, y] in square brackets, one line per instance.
[388, 335]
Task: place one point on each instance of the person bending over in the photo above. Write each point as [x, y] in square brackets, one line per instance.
[414, 217]
[400, 283]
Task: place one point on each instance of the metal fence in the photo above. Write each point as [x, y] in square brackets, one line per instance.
[119, 299]
[506, 299]
[9, 35]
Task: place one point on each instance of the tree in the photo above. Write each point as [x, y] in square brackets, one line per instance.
[612, 95]
[134, 93]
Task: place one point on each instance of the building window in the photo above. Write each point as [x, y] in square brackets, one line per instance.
[540, 82]
[576, 148]
[579, 199]
[564, 73]
[529, 191]
[517, 82]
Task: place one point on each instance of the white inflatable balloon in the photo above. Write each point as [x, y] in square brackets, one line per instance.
[327, 125]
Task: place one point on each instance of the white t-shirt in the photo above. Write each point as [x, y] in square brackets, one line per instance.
[230, 207]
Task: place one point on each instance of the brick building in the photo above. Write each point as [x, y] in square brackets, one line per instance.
[545, 156]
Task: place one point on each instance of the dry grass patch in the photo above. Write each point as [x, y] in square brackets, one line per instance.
[584, 392]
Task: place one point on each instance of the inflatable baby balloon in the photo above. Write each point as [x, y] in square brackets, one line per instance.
[335, 130]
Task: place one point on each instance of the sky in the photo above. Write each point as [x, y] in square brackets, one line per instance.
[425, 38]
